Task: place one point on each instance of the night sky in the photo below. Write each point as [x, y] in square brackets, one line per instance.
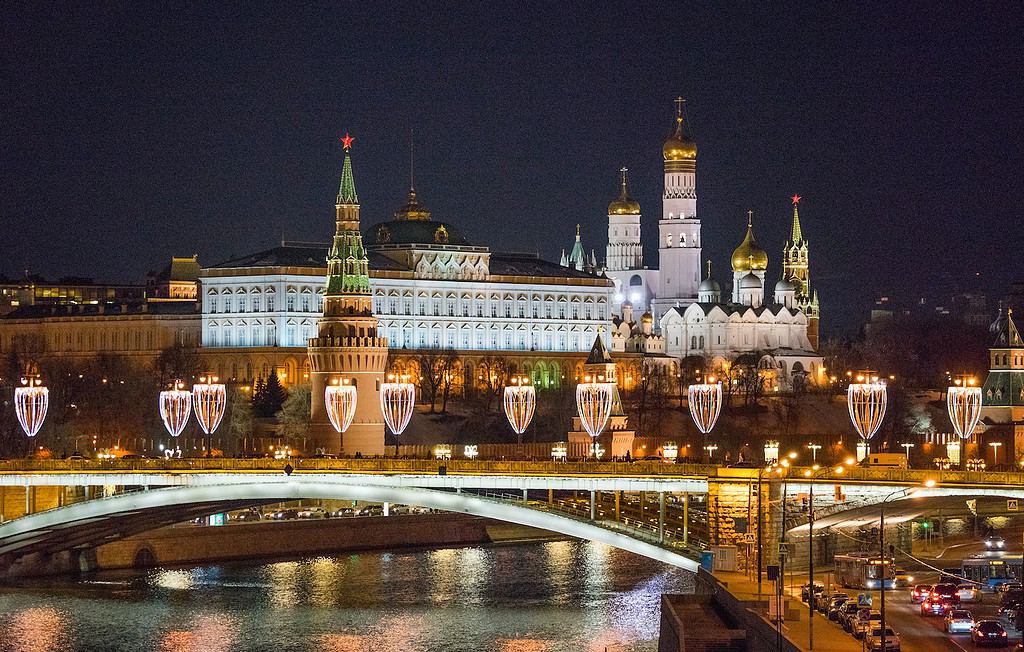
[129, 135]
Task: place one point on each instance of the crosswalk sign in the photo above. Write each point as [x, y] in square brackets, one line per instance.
[1012, 504]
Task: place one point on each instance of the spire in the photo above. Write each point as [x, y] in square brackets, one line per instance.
[709, 268]
[412, 162]
[797, 235]
[347, 190]
[577, 257]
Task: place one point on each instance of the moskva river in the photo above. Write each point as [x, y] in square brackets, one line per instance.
[535, 597]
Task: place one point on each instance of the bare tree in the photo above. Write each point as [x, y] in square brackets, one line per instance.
[437, 367]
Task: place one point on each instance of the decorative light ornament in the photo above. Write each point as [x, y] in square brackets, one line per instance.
[442, 452]
[705, 401]
[670, 451]
[210, 399]
[397, 400]
[175, 408]
[866, 402]
[594, 404]
[471, 451]
[340, 400]
[30, 403]
[963, 402]
[559, 452]
[771, 451]
[520, 403]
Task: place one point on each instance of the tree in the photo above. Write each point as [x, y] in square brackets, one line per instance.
[176, 362]
[492, 376]
[294, 415]
[271, 398]
[239, 416]
[437, 373]
[745, 371]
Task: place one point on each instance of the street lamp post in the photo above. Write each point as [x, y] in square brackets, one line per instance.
[995, 453]
[814, 452]
[594, 399]
[519, 404]
[30, 403]
[397, 401]
[906, 447]
[711, 448]
[866, 402]
[209, 399]
[812, 474]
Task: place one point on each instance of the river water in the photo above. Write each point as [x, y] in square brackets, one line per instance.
[533, 597]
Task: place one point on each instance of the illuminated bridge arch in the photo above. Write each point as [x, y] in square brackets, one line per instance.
[99, 521]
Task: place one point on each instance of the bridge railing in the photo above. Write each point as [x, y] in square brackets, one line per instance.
[365, 465]
[916, 476]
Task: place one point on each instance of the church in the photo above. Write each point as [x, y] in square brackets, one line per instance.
[693, 314]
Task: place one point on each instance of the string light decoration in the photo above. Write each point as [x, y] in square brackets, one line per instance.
[175, 408]
[963, 402]
[397, 400]
[209, 398]
[705, 401]
[520, 403]
[340, 400]
[866, 402]
[594, 405]
[30, 404]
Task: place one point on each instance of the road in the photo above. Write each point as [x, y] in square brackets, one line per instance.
[918, 633]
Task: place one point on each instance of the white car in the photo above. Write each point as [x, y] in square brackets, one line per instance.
[959, 621]
[866, 623]
[968, 593]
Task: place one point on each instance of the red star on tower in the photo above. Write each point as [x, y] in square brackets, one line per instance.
[346, 142]
[796, 199]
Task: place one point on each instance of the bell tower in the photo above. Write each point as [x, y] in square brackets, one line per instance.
[347, 345]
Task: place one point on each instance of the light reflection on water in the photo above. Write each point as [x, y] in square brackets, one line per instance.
[542, 597]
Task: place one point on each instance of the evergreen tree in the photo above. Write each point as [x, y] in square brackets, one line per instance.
[272, 398]
[259, 390]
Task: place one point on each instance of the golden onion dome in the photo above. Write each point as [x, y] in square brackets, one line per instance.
[749, 255]
[678, 146]
[624, 204]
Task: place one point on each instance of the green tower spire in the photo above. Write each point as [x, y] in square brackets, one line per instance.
[348, 269]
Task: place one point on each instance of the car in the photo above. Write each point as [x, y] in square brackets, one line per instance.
[247, 515]
[805, 590]
[372, 510]
[312, 512]
[903, 577]
[943, 590]
[822, 599]
[938, 607]
[995, 542]
[285, 515]
[873, 641]
[959, 621]
[847, 613]
[920, 593]
[968, 593]
[867, 620]
[1008, 587]
[989, 632]
[834, 606]
[1009, 609]
[345, 511]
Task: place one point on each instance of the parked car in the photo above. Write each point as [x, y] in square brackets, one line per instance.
[313, 512]
[345, 511]
[995, 542]
[847, 614]
[834, 605]
[866, 621]
[968, 593]
[903, 577]
[920, 593]
[823, 600]
[873, 641]
[248, 515]
[989, 632]
[1008, 587]
[285, 515]
[959, 621]
[372, 510]
[1009, 610]
[805, 590]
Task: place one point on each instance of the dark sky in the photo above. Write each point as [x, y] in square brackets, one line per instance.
[129, 135]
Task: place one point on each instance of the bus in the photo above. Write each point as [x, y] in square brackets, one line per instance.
[862, 570]
[990, 572]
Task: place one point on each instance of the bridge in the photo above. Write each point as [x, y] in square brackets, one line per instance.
[667, 512]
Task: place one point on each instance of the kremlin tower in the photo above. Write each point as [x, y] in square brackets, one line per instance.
[347, 347]
[795, 268]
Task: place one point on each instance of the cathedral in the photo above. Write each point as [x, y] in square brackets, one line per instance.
[692, 313]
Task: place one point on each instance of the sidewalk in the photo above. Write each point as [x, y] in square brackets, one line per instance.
[826, 635]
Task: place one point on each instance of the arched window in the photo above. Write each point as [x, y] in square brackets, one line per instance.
[693, 341]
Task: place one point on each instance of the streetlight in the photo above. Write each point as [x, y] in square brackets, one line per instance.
[594, 405]
[397, 401]
[906, 447]
[711, 448]
[519, 403]
[813, 474]
[963, 402]
[866, 402]
[340, 400]
[175, 407]
[30, 403]
[814, 452]
[995, 452]
[209, 398]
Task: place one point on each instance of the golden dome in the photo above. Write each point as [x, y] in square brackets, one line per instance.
[624, 204]
[679, 147]
[749, 255]
[413, 209]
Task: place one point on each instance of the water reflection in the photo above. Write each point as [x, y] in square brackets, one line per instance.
[547, 597]
[36, 629]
